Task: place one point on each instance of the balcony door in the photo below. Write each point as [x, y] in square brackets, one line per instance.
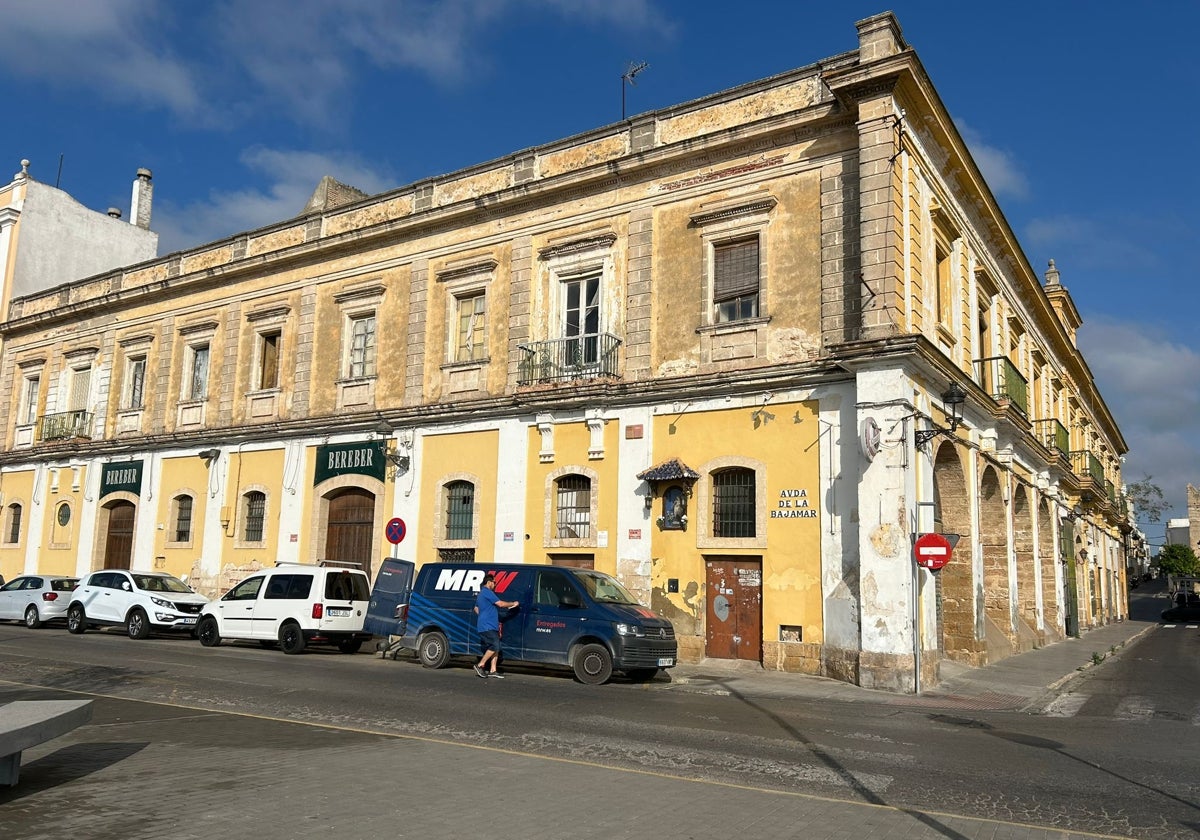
[581, 320]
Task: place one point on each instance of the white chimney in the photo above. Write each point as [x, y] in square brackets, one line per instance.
[143, 196]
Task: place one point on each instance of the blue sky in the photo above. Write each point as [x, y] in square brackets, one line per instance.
[1081, 114]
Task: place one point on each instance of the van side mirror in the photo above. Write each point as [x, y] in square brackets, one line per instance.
[569, 599]
[125, 585]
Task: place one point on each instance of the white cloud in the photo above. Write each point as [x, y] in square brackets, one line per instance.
[291, 176]
[1000, 170]
[108, 46]
[1149, 382]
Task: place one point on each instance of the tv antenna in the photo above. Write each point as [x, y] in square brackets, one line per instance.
[627, 76]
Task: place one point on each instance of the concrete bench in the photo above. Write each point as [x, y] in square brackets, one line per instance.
[26, 723]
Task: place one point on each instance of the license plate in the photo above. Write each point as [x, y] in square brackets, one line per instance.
[665, 662]
[337, 612]
[187, 621]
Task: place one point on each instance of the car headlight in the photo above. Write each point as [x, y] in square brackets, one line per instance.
[160, 602]
[630, 630]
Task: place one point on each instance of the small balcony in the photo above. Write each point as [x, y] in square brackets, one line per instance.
[65, 425]
[1086, 465]
[568, 359]
[1052, 435]
[1001, 379]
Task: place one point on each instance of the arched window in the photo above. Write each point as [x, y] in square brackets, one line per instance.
[733, 503]
[255, 511]
[573, 506]
[12, 523]
[460, 510]
[181, 520]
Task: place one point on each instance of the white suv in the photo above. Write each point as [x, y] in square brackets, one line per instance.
[293, 605]
[141, 601]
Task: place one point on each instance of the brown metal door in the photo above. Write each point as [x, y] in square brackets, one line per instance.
[118, 545]
[351, 525]
[733, 608]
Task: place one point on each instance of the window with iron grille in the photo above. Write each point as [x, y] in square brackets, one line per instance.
[733, 503]
[361, 352]
[256, 509]
[183, 519]
[12, 533]
[460, 510]
[574, 507]
[736, 280]
[456, 555]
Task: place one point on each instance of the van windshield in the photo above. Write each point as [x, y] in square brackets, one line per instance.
[603, 589]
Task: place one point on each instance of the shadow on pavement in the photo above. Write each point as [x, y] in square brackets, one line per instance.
[67, 765]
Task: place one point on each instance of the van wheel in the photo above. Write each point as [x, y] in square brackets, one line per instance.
[433, 649]
[137, 626]
[208, 632]
[291, 639]
[641, 674]
[32, 620]
[349, 645]
[593, 664]
[76, 620]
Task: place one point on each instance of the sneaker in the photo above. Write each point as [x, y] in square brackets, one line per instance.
[481, 672]
[496, 675]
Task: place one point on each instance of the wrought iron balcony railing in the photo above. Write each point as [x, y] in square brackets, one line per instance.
[568, 359]
[1001, 379]
[1085, 464]
[65, 425]
[1053, 435]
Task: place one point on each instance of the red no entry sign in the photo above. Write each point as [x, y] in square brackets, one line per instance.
[395, 530]
[932, 551]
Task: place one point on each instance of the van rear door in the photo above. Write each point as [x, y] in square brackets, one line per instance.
[387, 613]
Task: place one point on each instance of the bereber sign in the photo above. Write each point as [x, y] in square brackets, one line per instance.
[932, 551]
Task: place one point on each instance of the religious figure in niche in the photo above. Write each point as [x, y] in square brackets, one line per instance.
[674, 509]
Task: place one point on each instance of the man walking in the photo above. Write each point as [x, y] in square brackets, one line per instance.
[488, 625]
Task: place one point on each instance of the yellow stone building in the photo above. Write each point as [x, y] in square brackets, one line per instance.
[738, 352]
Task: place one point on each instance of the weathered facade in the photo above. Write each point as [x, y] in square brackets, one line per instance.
[708, 350]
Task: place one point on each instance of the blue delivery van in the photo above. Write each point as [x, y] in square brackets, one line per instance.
[579, 618]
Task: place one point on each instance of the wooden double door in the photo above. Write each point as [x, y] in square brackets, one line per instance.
[733, 608]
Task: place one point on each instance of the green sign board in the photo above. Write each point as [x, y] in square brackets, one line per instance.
[365, 458]
[121, 476]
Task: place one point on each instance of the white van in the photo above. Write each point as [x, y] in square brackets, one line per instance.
[292, 605]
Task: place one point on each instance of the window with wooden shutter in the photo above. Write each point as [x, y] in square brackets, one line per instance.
[736, 279]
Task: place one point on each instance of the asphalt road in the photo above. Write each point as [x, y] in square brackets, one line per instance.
[1089, 766]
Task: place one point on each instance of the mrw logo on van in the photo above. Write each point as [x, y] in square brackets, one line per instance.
[470, 580]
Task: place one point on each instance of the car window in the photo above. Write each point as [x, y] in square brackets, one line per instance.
[247, 590]
[289, 587]
[64, 584]
[12, 585]
[160, 583]
[33, 583]
[346, 586]
[552, 587]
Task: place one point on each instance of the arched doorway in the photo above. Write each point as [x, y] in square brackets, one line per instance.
[350, 527]
[1052, 614]
[118, 540]
[1027, 570]
[993, 543]
[955, 593]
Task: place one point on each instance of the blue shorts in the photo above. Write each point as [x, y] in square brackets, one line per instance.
[489, 640]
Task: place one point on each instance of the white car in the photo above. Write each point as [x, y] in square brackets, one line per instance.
[142, 602]
[293, 605]
[36, 599]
